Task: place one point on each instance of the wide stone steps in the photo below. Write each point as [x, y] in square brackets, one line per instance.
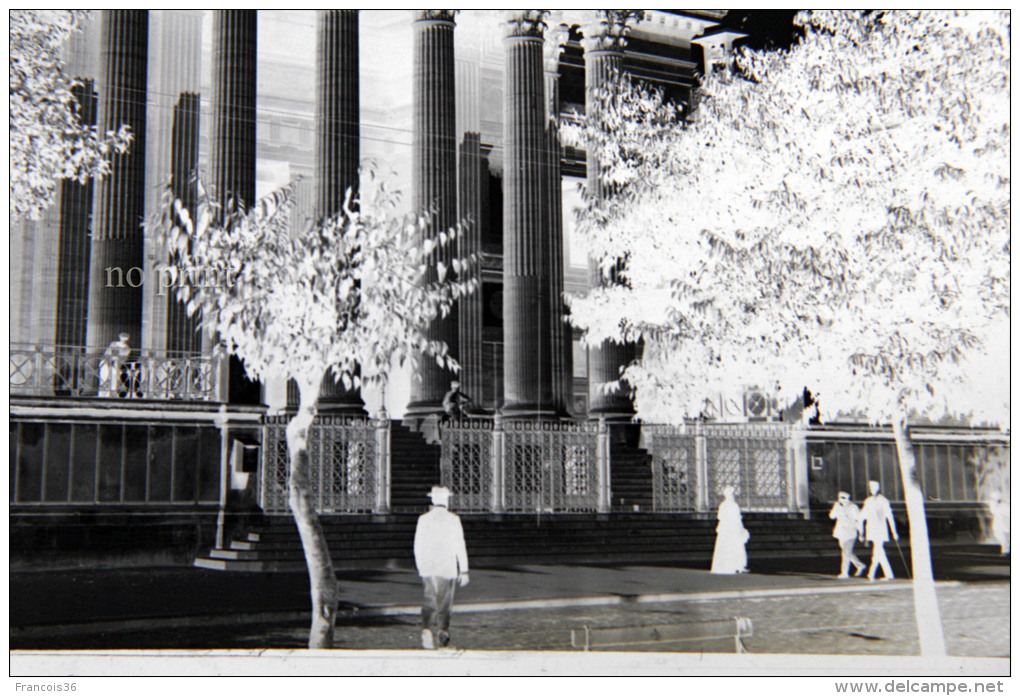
[414, 469]
[357, 542]
[630, 478]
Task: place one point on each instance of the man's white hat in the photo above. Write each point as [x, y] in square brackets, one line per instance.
[440, 495]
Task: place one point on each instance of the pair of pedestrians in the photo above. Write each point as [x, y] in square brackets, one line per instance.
[872, 523]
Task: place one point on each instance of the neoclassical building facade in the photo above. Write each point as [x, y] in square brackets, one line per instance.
[464, 109]
[469, 124]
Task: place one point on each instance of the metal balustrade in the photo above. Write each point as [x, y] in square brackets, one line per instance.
[691, 465]
[525, 466]
[346, 470]
[88, 372]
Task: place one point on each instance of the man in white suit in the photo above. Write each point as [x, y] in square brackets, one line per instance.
[875, 526]
[441, 557]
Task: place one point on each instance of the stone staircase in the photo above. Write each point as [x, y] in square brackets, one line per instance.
[365, 541]
[414, 469]
[630, 479]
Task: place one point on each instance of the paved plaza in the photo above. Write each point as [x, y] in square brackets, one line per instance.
[531, 608]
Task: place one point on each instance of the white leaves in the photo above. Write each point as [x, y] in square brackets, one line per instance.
[840, 222]
[356, 292]
[48, 142]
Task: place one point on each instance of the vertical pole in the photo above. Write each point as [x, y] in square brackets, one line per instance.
[797, 463]
[496, 459]
[602, 458]
[701, 462]
[221, 374]
[382, 464]
[221, 513]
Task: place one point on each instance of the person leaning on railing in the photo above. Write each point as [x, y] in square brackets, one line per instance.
[111, 378]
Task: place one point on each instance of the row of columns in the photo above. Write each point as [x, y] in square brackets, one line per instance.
[537, 345]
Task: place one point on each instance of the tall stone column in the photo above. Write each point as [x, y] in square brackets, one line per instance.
[115, 287]
[182, 330]
[76, 205]
[233, 139]
[234, 84]
[435, 178]
[527, 262]
[337, 152]
[603, 58]
[560, 331]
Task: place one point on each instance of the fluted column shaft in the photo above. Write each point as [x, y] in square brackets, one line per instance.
[115, 305]
[235, 41]
[234, 86]
[606, 361]
[435, 178]
[527, 339]
[76, 205]
[337, 151]
[562, 338]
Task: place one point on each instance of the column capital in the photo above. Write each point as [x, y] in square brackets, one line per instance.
[435, 15]
[526, 23]
[607, 30]
[555, 39]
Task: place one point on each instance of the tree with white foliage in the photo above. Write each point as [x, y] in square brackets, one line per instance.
[834, 216]
[347, 296]
[49, 143]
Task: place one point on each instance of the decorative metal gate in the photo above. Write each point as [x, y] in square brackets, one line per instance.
[675, 476]
[691, 466]
[466, 465]
[753, 458]
[343, 461]
[522, 466]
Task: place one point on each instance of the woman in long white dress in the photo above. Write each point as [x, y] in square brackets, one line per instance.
[730, 556]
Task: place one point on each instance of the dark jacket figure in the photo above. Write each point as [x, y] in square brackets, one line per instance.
[455, 402]
[441, 558]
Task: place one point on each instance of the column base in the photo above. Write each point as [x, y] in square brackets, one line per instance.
[423, 409]
[532, 411]
[354, 409]
[611, 415]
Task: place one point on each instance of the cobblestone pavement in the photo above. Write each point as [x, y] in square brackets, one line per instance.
[975, 618]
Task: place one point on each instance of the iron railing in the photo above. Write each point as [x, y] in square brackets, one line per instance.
[75, 371]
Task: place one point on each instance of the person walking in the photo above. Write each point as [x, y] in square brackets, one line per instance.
[847, 515]
[875, 525]
[729, 555]
[441, 558]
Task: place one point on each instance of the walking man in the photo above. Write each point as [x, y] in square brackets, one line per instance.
[875, 525]
[847, 515]
[441, 558]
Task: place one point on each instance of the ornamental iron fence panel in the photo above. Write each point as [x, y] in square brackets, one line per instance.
[691, 466]
[675, 478]
[521, 466]
[754, 459]
[76, 371]
[550, 467]
[466, 466]
[343, 461]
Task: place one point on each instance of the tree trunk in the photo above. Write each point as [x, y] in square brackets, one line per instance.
[926, 604]
[324, 590]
